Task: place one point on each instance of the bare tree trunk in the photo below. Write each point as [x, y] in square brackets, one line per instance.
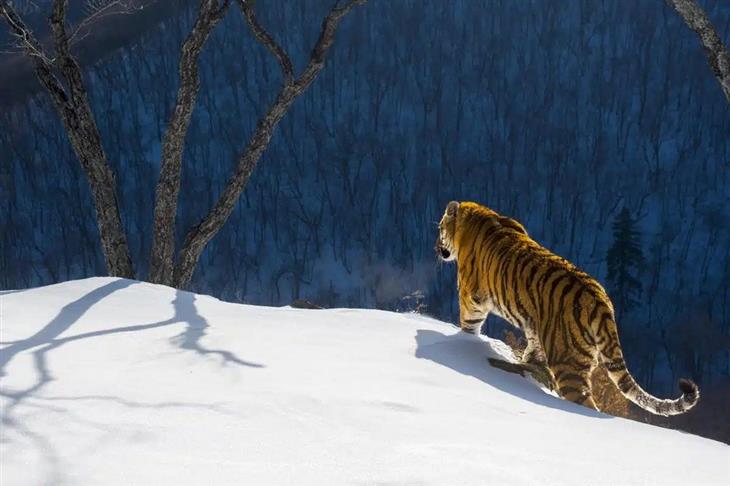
[717, 53]
[73, 107]
[199, 235]
[168, 186]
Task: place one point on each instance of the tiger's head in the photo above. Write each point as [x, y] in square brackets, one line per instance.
[445, 242]
[460, 223]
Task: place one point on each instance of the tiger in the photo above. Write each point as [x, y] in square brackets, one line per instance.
[566, 315]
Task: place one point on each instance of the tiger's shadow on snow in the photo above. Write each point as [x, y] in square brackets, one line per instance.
[468, 355]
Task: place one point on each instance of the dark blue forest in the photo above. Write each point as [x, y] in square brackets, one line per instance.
[560, 114]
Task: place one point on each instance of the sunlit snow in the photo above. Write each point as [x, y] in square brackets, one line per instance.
[111, 381]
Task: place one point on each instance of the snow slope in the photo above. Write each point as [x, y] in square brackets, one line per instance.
[110, 381]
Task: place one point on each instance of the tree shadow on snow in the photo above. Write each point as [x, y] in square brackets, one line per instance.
[195, 330]
[185, 312]
[48, 339]
[468, 355]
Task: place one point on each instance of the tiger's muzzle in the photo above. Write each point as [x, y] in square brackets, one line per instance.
[441, 251]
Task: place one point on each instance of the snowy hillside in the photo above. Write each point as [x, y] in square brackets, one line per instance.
[109, 381]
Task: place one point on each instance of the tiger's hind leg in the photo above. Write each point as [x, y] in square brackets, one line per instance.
[533, 358]
[573, 382]
[533, 352]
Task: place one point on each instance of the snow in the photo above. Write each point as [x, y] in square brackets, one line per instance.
[112, 381]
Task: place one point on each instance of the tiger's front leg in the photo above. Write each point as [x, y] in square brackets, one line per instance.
[473, 311]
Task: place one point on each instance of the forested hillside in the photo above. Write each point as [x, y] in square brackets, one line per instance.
[560, 114]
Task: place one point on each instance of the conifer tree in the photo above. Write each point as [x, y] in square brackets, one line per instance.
[625, 259]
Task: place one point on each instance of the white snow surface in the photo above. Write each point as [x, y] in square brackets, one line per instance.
[113, 381]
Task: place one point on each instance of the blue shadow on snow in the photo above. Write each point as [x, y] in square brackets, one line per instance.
[468, 355]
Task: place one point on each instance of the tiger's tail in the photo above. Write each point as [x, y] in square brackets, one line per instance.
[613, 360]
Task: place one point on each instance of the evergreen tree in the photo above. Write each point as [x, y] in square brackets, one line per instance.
[624, 262]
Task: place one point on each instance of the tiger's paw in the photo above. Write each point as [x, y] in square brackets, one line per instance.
[543, 376]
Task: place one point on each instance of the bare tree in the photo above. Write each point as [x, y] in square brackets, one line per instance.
[717, 54]
[72, 104]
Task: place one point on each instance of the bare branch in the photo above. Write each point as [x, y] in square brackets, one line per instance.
[105, 34]
[23, 36]
[247, 7]
[325, 40]
[42, 64]
[717, 53]
[68, 66]
[93, 6]
[168, 186]
[199, 236]
[25, 8]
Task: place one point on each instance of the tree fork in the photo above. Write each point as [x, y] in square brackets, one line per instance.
[199, 235]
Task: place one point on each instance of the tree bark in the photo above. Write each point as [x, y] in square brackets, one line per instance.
[717, 54]
[168, 186]
[199, 235]
[72, 104]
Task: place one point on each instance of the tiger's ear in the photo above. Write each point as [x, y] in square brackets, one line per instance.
[511, 223]
[451, 208]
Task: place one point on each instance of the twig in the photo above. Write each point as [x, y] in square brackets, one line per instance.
[102, 11]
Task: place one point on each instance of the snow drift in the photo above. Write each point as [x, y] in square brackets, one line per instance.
[112, 381]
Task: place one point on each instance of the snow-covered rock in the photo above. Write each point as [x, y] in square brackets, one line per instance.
[111, 381]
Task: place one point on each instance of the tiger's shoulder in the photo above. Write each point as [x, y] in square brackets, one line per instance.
[507, 228]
